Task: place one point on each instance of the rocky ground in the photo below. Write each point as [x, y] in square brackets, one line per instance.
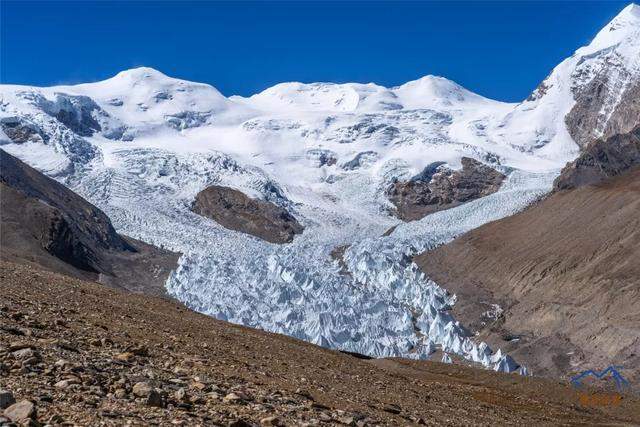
[602, 159]
[79, 353]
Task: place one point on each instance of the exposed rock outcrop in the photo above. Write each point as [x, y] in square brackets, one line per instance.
[437, 188]
[626, 114]
[321, 157]
[595, 116]
[363, 159]
[75, 112]
[236, 211]
[602, 159]
[187, 119]
[45, 223]
[20, 131]
[71, 224]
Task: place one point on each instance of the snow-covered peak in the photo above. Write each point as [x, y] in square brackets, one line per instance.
[629, 16]
[623, 29]
[144, 89]
[142, 73]
[313, 97]
[143, 79]
[145, 97]
[328, 97]
[577, 101]
[434, 92]
[141, 76]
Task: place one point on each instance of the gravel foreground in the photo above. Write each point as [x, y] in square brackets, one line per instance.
[78, 353]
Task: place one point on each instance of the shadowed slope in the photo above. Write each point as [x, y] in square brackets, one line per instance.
[45, 223]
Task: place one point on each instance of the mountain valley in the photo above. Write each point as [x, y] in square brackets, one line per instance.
[378, 229]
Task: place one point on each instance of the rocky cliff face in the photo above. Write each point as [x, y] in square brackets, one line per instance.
[236, 211]
[45, 223]
[603, 159]
[437, 188]
[593, 118]
[626, 115]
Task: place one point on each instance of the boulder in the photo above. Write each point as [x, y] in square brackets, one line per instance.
[142, 389]
[155, 399]
[6, 399]
[21, 411]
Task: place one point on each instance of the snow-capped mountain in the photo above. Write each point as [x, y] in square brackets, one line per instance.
[429, 92]
[576, 103]
[141, 145]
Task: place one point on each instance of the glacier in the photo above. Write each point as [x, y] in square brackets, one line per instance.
[382, 305]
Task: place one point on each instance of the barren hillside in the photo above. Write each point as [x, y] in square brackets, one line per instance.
[90, 355]
[564, 273]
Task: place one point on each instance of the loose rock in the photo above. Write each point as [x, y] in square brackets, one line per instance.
[271, 421]
[21, 411]
[155, 399]
[142, 389]
[6, 399]
[232, 397]
[392, 408]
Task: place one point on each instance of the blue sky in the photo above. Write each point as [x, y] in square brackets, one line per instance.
[499, 49]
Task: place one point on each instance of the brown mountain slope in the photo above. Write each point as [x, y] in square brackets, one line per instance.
[89, 355]
[566, 272]
[44, 223]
